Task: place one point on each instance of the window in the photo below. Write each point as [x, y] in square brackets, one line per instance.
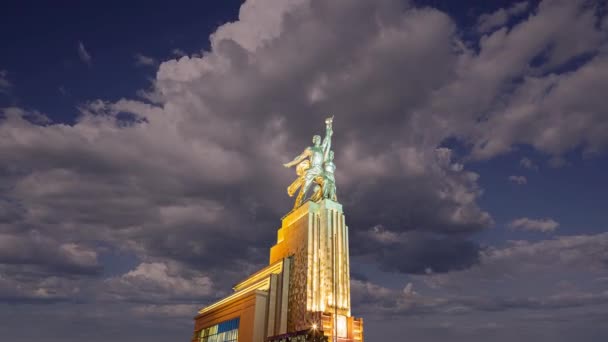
[227, 331]
[342, 329]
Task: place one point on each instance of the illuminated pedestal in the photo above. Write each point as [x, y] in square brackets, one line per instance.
[306, 284]
[316, 235]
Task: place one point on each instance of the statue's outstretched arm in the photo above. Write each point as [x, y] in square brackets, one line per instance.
[298, 159]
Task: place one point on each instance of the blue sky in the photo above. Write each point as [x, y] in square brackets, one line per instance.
[110, 32]
[141, 152]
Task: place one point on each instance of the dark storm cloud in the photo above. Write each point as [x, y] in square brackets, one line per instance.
[416, 252]
[422, 254]
[558, 273]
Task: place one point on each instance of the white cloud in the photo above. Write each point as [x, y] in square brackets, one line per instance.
[399, 79]
[259, 22]
[159, 281]
[530, 101]
[541, 225]
[213, 146]
[487, 22]
[178, 52]
[142, 60]
[84, 54]
[518, 179]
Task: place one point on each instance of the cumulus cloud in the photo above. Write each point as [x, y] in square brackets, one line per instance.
[488, 22]
[156, 281]
[520, 180]
[400, 80]
[546, 225]
[84, 55]
[389, 79]
[516, 88]
[544, 109]
[143, 60]
[112, 177]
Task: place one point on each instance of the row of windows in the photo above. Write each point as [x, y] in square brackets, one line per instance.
[227, 336]
[227, 331]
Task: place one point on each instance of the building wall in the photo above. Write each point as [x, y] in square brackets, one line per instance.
[308, 264]
[292, 239]
[250, 308]
[316, 235]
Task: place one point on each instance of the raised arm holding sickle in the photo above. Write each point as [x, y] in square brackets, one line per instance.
[329, 131]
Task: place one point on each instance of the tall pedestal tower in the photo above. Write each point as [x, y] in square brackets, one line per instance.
[304, 292]
[316, 235]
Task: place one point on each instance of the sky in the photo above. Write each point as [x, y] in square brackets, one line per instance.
[141, 152]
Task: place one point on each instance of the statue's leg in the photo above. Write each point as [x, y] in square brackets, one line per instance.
[298, 199]
[333, 192]
[326, 188]
[291, 189]
[317, 194]
[302, 193]
[319, 190]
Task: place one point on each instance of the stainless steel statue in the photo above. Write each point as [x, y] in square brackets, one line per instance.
[315, 165]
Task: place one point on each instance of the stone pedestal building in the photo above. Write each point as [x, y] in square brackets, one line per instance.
[305, 287]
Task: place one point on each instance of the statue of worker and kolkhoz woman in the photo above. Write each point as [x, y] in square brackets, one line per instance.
[315, 166]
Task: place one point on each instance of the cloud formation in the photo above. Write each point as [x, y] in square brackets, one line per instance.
[190, 181]
[546, 225]
[84, 55]
[488, 22]
[112, 177]
[143, 60]
[157, 282]
[178, 52]
[549, 271]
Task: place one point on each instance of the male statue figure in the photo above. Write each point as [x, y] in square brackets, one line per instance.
[316, 156]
